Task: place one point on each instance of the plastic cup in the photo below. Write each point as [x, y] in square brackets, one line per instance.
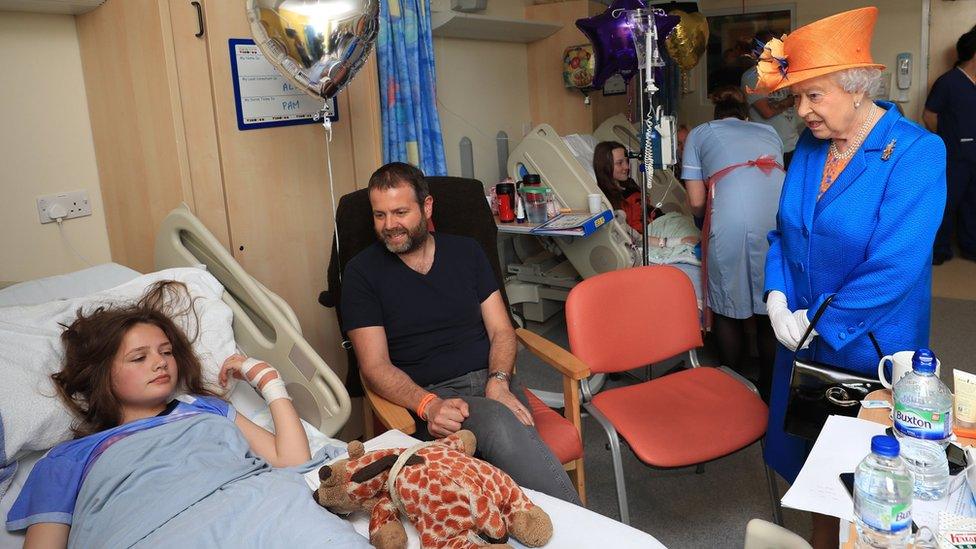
[595, 203]
[535, 203]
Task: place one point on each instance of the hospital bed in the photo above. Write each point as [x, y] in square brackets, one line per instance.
[565, 164]
[265, 326]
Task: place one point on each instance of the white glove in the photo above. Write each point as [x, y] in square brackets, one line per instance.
[802, 322]
[271, 389]
[785, 324]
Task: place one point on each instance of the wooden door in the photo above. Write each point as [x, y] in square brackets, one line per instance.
[199, 125]
[134, 104]
[276, 183]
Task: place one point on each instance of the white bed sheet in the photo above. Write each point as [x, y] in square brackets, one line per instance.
[88, 281]
[66, 286]
[573, 526]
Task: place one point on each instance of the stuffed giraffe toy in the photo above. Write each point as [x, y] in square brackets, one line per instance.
[453, 499]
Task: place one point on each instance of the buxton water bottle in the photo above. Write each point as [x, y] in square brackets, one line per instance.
[883, 497]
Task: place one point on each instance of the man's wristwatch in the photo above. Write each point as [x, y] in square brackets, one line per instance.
[499, 375]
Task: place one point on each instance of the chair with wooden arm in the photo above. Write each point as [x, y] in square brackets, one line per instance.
[459, 208]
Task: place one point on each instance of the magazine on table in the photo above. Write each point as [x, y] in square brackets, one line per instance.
[574, 224]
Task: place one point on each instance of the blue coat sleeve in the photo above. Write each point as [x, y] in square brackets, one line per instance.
[900, 248]
[775, 275]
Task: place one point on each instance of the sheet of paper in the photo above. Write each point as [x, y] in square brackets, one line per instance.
[843, 443]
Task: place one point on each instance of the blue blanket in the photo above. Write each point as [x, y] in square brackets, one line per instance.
[195, 483]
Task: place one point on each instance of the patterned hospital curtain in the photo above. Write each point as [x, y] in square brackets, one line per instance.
[405, 51]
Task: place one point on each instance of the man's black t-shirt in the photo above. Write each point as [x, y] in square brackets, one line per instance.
[433, 322]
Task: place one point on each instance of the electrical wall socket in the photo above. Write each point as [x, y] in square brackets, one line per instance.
[75, 203]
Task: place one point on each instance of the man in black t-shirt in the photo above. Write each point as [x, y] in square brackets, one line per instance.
[432, 333]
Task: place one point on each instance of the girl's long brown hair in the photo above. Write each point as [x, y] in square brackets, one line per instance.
[92, 341]
[614, 190]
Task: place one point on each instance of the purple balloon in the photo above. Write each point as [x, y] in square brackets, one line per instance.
[612, 38]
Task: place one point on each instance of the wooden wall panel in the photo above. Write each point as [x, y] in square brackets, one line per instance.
[125, 64]
[277, 187]
[550, 101]
[199, 143]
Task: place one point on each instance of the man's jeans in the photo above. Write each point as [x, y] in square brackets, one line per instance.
[503, 440]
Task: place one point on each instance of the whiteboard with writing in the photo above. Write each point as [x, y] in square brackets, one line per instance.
[264, 97]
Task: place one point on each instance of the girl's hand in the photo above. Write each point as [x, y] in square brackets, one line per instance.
[258, 374]
[231, 367]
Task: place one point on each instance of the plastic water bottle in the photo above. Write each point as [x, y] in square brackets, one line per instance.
[923, 425]
[923, 404]
[929, 466]
[883, 496]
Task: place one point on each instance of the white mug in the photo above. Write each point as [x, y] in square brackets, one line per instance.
[595, 202]
[901, 364]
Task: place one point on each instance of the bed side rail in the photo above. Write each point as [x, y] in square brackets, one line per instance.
[264, 325]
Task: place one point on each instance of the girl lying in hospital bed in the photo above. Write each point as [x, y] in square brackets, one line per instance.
[184, 472]
[671, 237]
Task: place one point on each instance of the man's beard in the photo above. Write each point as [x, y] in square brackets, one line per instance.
[415, 238]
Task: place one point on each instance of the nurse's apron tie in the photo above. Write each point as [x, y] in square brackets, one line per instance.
[766, 163]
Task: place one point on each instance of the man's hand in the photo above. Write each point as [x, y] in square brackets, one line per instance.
[498, 390]
[444, 417]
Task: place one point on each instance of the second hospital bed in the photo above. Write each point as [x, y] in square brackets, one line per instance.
[265, 326]
[565, 164]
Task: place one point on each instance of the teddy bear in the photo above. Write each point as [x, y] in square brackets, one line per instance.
[453, 499]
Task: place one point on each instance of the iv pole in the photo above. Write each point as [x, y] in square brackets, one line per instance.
[646, 86]
[643, 174]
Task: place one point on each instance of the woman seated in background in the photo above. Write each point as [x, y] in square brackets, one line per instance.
[671, 237]
[733, 172]
[612, 169]
[150, 469]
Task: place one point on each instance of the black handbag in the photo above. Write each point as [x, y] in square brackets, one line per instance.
[818, 390]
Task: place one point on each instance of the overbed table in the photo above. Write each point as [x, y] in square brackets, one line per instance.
[883, 416]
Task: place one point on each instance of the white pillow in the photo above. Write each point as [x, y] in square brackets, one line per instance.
[33, 418]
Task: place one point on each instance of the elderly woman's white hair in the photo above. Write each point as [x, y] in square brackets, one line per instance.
[860, 79]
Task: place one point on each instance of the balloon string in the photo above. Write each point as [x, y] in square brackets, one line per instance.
[327, 124]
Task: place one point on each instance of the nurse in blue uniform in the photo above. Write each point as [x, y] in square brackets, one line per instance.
[950, 110]
[861, 203]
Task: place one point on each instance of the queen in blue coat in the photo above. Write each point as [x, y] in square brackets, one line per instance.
[860, 206]
[866, 240]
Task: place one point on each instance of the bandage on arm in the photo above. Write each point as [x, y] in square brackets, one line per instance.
[254, 371]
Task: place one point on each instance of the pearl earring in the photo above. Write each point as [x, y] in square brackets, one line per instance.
[857, 104]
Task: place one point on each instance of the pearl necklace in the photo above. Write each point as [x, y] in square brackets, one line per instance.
[854, 143]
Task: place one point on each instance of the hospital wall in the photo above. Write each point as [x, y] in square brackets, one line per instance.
[45, 148]
[481, 89]
[949, 21]
[899, 29]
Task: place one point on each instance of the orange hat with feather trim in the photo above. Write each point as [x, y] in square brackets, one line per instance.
[835, 43]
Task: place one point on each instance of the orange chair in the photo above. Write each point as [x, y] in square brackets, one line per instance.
[629, 318]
